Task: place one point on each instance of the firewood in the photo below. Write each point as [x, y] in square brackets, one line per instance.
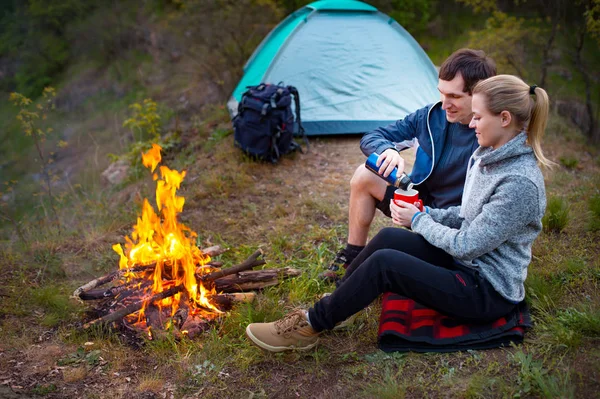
[194, 326]
[225, 302]
[120, 290]
[254, 279]
[211, 251]
[134, 307]
[182, 312]
[249, 263]
[154, 318]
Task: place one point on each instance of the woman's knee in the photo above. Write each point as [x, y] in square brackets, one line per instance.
[392, 236]
[381, 260]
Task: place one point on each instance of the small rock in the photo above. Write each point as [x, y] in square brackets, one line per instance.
[116, 172]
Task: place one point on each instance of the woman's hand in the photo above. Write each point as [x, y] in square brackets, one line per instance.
[402, 212]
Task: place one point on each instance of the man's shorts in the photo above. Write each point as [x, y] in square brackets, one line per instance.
[384, 205]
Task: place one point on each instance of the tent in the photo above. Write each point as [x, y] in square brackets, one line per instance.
[355, 68]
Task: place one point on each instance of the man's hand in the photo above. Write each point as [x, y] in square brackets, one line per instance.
[402, 212]
[388, 160]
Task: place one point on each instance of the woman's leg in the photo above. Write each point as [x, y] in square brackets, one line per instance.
[402, 240]
[460, 293]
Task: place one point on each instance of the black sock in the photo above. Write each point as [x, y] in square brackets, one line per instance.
[352, 251]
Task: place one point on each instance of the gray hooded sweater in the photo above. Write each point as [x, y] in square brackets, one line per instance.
[500, 216]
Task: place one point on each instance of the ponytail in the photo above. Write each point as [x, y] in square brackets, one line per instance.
[537, 125]
[510, 93]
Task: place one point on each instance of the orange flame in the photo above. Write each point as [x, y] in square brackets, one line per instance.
[164, 241]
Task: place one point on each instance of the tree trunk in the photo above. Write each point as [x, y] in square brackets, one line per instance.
[591, 131]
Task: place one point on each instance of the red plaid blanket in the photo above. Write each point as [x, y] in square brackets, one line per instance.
[406, 325]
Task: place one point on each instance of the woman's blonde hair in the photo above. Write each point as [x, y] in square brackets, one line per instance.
[528, 105]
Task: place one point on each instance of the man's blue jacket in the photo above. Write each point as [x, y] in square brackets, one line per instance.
[426, 126]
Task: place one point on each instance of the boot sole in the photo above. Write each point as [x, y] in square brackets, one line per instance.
[270, 348]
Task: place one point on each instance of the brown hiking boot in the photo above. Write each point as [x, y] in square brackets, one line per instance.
[291, 332]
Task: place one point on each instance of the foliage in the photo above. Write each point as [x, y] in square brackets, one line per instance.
[594, 206]
[510, 53]
[592, 18]
[481, 5]
[34, 43]
[146, 128]
[31, 119]
[90, 358]
[145, 120]
[529, 45]
[413, 15]
[557, 215]
[225, 35]
[569, 162]
[535, 379]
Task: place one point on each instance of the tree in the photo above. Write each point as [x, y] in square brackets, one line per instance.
[516, 41]
[591, 27]
[510, 53]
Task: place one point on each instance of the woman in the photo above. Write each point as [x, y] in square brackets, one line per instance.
[468, 261]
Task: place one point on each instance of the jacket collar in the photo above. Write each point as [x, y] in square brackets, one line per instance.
[515, 147]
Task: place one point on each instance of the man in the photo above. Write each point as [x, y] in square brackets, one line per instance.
[445, 145]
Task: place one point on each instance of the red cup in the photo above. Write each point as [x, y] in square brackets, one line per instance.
[411, 196]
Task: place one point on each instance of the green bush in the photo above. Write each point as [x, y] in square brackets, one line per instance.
[557, 215]
[594, 220]
[569, 162]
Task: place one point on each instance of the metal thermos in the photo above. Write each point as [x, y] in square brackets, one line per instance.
[402, 181]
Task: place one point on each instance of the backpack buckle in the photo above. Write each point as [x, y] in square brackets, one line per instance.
[265, 109]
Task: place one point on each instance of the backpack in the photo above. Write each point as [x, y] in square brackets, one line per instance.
[264, 125]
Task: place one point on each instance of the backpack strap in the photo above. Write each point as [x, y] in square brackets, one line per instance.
[301, 131]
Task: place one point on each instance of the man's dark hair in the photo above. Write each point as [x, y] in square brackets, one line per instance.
[473, 65]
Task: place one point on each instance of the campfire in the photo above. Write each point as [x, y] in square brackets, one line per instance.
[164, 280]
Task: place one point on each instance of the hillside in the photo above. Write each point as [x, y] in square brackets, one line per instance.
[185, 57]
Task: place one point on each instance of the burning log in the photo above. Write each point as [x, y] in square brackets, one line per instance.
[120, 290]
[225, 301]
[249, 263]
[154, 317]
[134, 307]
[194, 326]
[117, 274]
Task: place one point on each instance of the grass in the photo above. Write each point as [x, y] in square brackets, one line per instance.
[594, 206]
[557, 215]
[299, 223]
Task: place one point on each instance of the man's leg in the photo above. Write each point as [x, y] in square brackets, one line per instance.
[367, 191]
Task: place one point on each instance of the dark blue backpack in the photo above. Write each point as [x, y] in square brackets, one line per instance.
[264, 126]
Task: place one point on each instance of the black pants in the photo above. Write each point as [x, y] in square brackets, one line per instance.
[400, 261]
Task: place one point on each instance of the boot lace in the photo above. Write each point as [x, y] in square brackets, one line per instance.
[290, 323]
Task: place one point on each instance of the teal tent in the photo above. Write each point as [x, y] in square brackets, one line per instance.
[355, 68]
